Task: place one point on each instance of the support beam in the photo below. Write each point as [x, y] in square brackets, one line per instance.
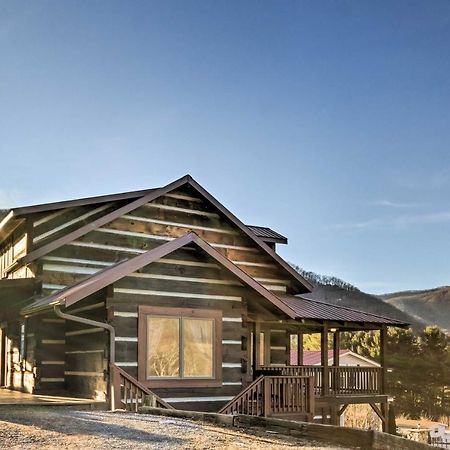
[336, 345]
[383, 344]
[300, 349]
[324, 359]
[256, 346]
[267, 351]
[381, 413]
[335, 381]
[384, 416]
[342, 410]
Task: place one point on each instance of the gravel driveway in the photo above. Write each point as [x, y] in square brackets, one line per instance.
[28, 427]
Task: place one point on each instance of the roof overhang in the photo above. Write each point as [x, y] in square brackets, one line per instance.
[314, 310]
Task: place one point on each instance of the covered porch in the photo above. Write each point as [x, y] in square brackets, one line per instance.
[317, 392]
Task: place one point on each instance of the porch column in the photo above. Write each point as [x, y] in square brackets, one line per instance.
[384, 405]
[336, 344]
[335, 380]
[324, 359]
[300, 349]
[256, 346]
[383, 342]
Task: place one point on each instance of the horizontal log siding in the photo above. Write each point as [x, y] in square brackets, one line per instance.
[137, 232]
[148, 227]
[49, 346]
[11, 249]
[51, 226]
[86, 349]
[124, 309]
[279, 346]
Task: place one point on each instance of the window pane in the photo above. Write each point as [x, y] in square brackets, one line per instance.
[198, 347]
[163, 347]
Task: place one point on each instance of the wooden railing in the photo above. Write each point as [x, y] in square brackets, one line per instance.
[352, 380]
[274, 395]
[130, 394]
[343, 380]
[250, 401]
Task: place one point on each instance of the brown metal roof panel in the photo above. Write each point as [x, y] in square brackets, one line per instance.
[268, 235]
[22, 210]
[316, 310]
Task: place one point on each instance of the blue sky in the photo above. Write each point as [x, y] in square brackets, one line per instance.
[328, 121]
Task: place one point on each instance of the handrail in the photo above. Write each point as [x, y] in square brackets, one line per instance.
[232, 406]
[130, 393]
[274, 395]
[343, 380]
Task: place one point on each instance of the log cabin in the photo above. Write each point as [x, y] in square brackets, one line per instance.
[163, 295]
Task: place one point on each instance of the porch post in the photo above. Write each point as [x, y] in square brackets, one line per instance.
[335, 380]
[383, 342]
[384, 405]
[256, 346]
[324, 359]
[336, 344]
[300, 349]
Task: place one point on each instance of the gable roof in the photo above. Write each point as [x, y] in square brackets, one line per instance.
[76, 292]
[313, 357]
[145, 197]
[315, 310]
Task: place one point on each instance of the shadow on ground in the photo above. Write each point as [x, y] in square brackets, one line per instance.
[71, 422]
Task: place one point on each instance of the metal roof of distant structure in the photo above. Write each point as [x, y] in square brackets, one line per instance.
[268, 235]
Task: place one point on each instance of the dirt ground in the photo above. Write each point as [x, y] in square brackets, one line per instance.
[40, 427]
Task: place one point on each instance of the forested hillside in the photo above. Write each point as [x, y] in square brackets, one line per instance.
[431, 306]
[418, 357]
[338, 292]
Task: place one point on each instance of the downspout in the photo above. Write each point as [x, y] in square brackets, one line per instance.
[112, 347]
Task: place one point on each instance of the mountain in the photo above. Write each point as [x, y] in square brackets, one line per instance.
[356, 299]
[333, 290]
[431, 306]
[3, 213]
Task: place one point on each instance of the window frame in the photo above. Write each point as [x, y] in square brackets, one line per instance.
[188, 313]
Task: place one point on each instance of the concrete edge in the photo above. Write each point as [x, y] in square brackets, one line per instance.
[357, 438]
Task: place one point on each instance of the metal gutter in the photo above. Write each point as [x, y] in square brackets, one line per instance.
[94, 323]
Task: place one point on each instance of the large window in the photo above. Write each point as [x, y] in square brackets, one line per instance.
[179, 345]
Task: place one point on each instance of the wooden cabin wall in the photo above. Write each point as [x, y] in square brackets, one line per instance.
[224, 293]
[51, 225]
[12, 248]
[86, 350]
[147, 227]
[279, 346]
[48, 335]
[20, 374]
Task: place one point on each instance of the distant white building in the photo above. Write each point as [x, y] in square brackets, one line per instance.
[424, 431]
[346, 358]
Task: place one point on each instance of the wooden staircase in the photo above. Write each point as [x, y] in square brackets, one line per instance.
[275, 396]
[130, 394]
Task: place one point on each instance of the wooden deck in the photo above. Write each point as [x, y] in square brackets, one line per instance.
[342, 381]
